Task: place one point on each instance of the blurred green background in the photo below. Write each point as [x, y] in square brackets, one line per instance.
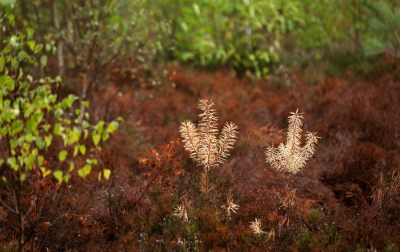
[248, 37]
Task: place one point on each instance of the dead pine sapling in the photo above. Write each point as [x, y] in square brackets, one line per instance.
[291, 157]
[203, 144]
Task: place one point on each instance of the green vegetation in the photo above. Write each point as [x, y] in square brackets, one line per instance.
[70, 181]
[31, 116]
[241, 35]
[249, 37]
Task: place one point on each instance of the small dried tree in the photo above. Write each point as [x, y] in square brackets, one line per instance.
[202, 142]
[291, 157]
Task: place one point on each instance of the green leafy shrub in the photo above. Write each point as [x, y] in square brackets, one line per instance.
[32, 116]
[91, 36]
[241, 35]
[385, 29]
[329, 238]
[331, 26]
[373, 26]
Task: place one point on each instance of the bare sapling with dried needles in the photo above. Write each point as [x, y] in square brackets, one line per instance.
[203, 143]
[291, 157]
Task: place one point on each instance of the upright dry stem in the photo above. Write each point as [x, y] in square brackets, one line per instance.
[291, 157]
[202, 142]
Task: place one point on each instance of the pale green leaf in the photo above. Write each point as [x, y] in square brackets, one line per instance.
[45, 172]
[59, 176]
[112, 127]
[31, 44]
[85, 171]
[104, 136]
[66, 178]
[58, 129]
[40, 143]
[40, 160]
[58, 112]
[76, 149]
[82, 149]
[13, 163]
[62, 155]
[48, 139]
[96, 139]
[86, 104]
[43, 60]
[38, 48]
[85, 124]
[2, 63]
[106, 173]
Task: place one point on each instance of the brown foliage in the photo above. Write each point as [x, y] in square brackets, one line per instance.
[347, 197]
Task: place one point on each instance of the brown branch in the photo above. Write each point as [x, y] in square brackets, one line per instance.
[148, 185]
[8, 207]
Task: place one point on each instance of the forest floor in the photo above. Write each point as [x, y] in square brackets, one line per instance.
[347, 196]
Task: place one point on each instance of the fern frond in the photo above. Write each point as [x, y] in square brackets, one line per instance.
[191, 138]
[226, 141]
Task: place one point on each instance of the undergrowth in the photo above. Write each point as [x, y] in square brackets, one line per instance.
[346, 195]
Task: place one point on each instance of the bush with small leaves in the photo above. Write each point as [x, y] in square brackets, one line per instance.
[243, 36]
[384, 24]
[32, 116]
